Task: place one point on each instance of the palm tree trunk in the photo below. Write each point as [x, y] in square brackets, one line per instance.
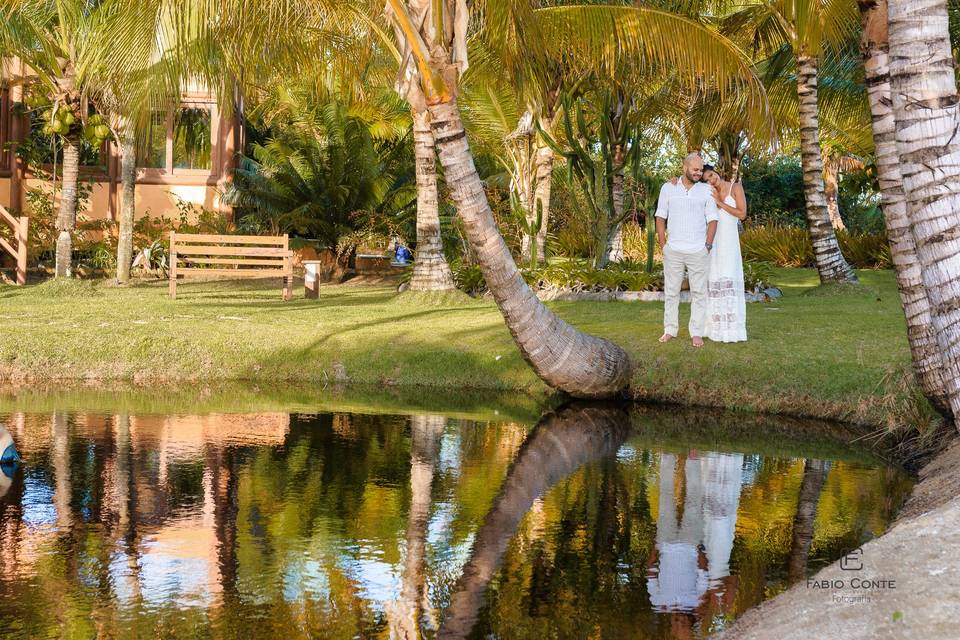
[615, 250]
[814, 475]
[430, 269]
[925, 105]
[927, 363]
[128, 181]
[565, 358]
[831, 189]
[831, 264]
[67, 217]
[544, 183]
[559, 445]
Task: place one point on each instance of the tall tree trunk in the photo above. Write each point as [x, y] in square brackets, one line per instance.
[831, 264]
[814, 475]
[615, 248]
[67, 217]
[925, 105]
[128, 182]
[430, 269]
[565, 358]
[544, 184]
[559, 445]
[831, 189]
[425, 436]
[927, 363]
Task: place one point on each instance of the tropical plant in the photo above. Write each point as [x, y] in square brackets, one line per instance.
[310, 178]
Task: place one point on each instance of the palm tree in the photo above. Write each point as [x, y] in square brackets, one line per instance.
[430, 269]
[927, 363]
[923, 89]
[804, 29]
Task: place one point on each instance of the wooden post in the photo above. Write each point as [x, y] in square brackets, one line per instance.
[173, 265]
[288, 268]
[22, 230]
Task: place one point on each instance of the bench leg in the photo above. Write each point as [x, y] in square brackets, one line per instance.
[288, 288]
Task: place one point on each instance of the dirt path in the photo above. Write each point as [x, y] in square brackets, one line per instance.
[911, 573]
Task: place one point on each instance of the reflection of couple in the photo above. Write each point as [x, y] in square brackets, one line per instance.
[690, 563]
[697, 229]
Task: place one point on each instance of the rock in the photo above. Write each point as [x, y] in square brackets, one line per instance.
[773, 292]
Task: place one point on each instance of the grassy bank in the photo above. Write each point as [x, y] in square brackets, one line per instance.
[839, 356]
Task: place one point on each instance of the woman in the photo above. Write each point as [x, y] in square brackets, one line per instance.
[726, 303]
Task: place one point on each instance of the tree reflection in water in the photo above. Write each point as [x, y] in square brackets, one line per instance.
[595, 523]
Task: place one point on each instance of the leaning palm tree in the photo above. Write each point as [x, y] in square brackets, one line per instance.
[803, 30]
[435, 48]
[925, 101]
[927, 363]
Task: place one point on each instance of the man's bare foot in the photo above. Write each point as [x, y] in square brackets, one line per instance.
[666, 337]
[696, 341]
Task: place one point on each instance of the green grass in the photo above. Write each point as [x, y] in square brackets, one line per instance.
[829, 356]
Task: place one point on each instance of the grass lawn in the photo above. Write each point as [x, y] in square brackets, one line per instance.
[839, 356]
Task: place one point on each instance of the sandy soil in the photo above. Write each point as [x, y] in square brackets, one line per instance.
[912, 574]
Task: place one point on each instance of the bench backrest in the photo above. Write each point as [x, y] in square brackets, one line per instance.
[199, 254]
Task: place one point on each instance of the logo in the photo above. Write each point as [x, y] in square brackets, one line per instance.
[853, 561]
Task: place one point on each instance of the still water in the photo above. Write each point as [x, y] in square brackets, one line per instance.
[594, 521]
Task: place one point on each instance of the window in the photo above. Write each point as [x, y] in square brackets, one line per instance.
[155, 153]
[181, 143]
[191, 139]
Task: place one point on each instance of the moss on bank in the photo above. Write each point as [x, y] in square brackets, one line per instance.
[839, 356]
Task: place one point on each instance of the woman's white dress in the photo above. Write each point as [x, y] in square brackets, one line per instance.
[726, 303]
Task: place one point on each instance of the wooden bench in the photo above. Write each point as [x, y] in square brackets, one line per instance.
[204, 255]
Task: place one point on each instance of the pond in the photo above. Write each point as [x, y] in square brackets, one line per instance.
[139, 518]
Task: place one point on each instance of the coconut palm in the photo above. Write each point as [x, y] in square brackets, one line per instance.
[927, 363]
[925, 102]
[804, 30]
[431, 272]
[62, 43]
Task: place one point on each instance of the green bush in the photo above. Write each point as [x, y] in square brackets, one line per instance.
[791, 247]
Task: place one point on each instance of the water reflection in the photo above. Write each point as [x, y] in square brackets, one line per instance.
[593, 522]
[559, 445]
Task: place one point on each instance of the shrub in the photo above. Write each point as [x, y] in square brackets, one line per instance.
[791, 247]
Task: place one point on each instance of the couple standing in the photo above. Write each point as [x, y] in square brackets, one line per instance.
[697, 230]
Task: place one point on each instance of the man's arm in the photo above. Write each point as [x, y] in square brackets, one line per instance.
[711, 231]
[712, 215]
[661, 215]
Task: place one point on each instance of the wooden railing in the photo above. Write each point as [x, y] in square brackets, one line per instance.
[205, 255]
[19, 247]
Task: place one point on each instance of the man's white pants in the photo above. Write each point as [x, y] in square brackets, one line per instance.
[696, 265]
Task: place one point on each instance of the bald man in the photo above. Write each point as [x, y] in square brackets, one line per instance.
[686, 225]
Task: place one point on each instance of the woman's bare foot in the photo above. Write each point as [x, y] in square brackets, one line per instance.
[696, 341]
[666, 337]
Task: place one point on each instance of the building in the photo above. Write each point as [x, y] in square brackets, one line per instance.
[169, 169]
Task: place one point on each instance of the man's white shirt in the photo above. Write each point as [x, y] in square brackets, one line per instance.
[687, 212]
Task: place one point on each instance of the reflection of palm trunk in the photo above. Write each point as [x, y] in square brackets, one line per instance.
[125, 492]
[814, 475]
[225, 518]
[61, 469]
[561, 443]
[426, 431]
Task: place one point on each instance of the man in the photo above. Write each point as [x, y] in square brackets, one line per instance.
[686, 225]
